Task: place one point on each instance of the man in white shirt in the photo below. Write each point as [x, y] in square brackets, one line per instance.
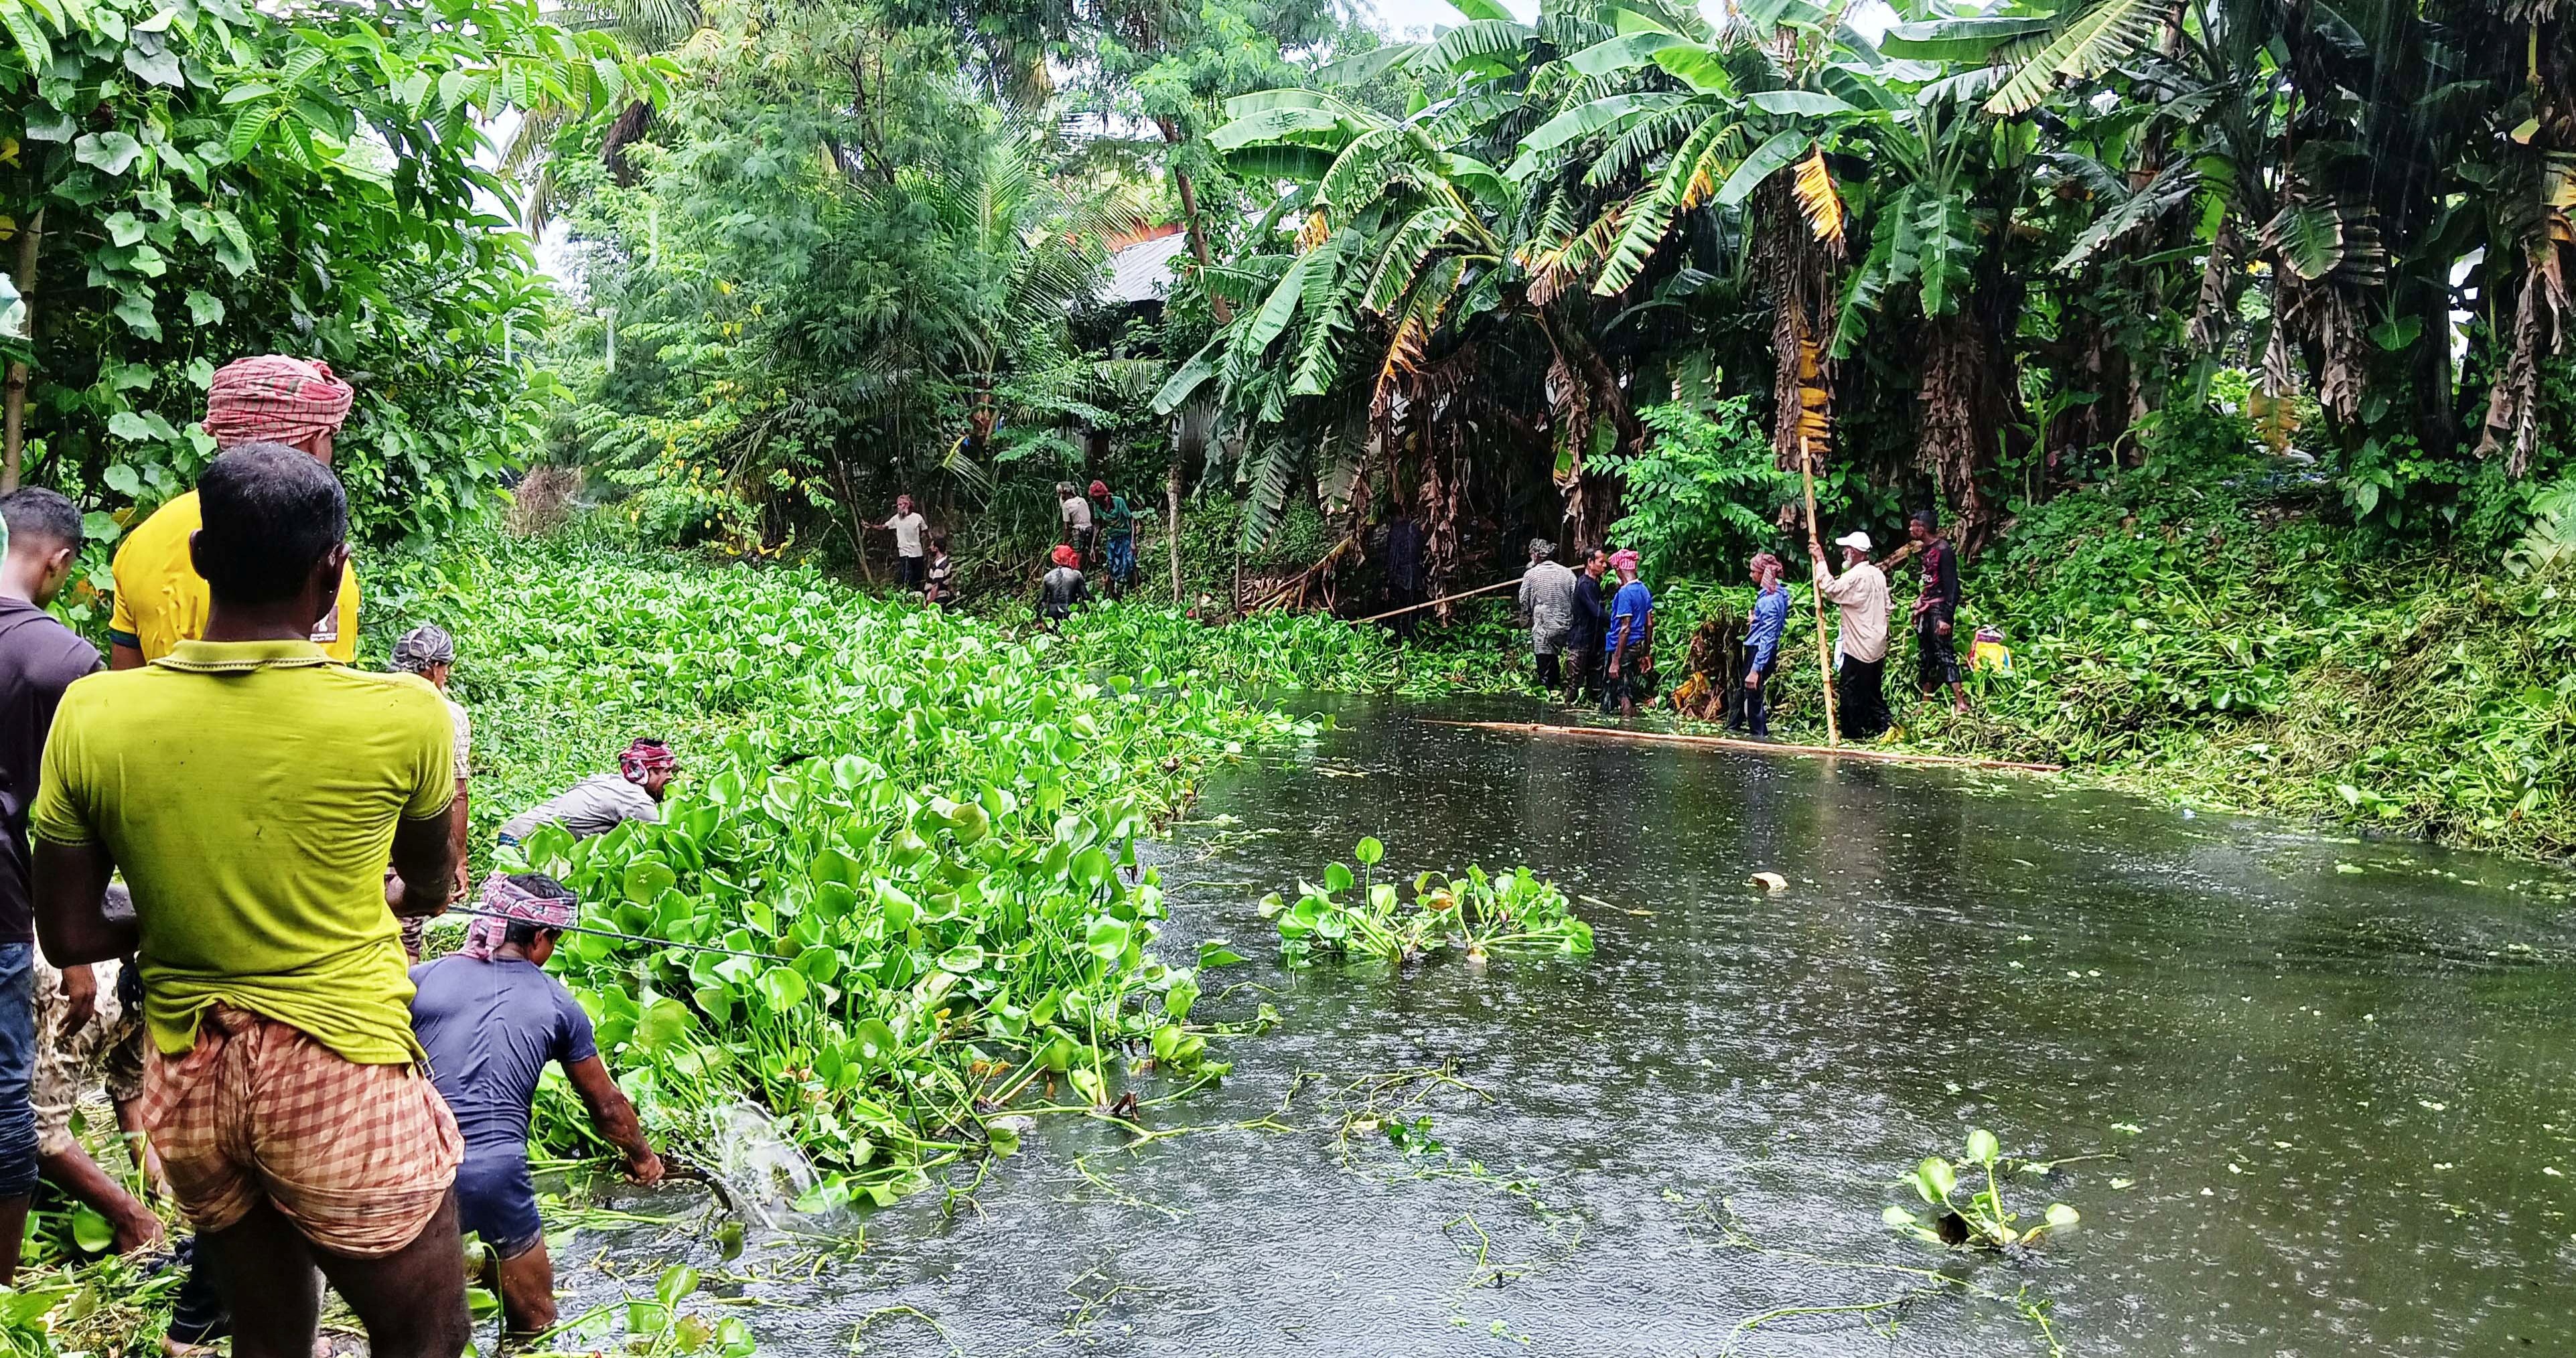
[1077, 521]
[907, 525]
[602, 802]
[1861, 593]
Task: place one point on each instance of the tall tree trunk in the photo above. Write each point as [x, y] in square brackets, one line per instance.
[12, 461]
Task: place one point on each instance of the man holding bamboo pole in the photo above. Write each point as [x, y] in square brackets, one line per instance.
[1860, 592]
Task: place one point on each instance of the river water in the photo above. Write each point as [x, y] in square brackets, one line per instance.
[2335, 1084]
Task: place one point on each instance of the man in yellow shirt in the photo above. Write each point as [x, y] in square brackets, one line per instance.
[160, 598]
[252, 792]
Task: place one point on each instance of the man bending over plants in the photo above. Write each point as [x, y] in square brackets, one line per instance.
[604, 801]
[251, 791]
[491, 1018]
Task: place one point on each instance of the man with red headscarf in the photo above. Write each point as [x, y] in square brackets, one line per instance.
[602, 802]
[160, 598]
[1063, 586]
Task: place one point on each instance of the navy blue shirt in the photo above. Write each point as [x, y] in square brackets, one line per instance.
[489, 1029]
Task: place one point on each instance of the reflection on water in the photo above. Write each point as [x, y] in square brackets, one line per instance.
[2336, 1077]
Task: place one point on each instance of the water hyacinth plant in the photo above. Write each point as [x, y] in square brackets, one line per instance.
[1980, 1220]
[1353, 915]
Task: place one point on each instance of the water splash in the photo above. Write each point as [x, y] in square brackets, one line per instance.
[763, 1173]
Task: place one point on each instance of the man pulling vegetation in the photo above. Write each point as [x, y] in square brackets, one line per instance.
[1628, 647]
[1762, 645]
[251, 791]
[604, 801]
[1117, 538]
[1861, 593]
[1547, 601]
[491, 1018]
[1062, 587]
[160, 598]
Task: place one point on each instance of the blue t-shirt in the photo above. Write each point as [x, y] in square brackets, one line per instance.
[1770, 618]
[489, 1029]
[1630, 612]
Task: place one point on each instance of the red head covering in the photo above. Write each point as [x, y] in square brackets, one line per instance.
[1066, 556]
[644, 757]
[1622, 560]
[275, 398]
[1100, 490]
[506, 901]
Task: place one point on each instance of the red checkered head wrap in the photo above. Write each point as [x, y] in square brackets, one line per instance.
[531, 898]
[646, 756]
[1100, 490]
[1067, 557]
[276, 399]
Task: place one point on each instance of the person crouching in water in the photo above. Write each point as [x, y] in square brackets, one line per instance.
[491, 1018]
[603, 801]
[1063, 587]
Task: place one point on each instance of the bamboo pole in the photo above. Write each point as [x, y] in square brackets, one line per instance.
[12, 462]
[1815, 552]
[1435, 603]
[1872, 754]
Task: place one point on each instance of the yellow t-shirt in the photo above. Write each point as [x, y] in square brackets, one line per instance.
[249, 792]
[161, 600]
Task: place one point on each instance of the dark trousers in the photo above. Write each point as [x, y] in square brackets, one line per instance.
[1936, 652]
[1401, 597]
[1582, 668]
[1757, 713]
[1550, 677]
[1861, 697]
[907, 572]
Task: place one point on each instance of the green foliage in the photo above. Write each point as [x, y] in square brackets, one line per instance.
[206, 180]
[1476, 914]
[1981, 1219]
[1702, 496]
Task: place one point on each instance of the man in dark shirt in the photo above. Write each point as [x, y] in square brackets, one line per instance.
[39, 658]
[1405, 580]
[491, 1018]
[1591, 622]
[1936, 608]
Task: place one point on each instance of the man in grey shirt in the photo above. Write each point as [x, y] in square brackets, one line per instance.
[602, 802]
[1547, 600]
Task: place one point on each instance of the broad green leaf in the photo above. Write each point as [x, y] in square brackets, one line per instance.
[1967, 39]
[1622, 53]
[1107, 938]
[1782, 149]
[1800, 103]
[1982, 1146]
[1598, 115]
[112, 152]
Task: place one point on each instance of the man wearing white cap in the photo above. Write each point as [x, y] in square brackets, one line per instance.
[1861, 593]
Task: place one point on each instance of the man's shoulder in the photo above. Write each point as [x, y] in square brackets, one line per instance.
[44, 642]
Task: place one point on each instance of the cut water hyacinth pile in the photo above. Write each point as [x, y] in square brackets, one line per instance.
[916, 833]
[1475, 914]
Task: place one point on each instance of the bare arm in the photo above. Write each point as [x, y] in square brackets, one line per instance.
[458, 826]
[614, 1117]
[424, 863]
[71, 905]
[76, 1174]
[123, 657]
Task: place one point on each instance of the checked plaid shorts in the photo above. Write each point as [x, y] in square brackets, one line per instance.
[359, 1157]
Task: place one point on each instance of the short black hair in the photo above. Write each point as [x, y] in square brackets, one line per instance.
[523, 933]
[35, 514]
[1931, 521]
[270, 514]
[539, 884]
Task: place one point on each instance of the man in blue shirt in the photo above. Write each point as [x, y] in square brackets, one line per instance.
[491, 1018]
[1629, 644]
[1762, 642]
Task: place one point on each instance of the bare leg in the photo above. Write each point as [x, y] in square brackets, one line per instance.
[13, 1236]
[264, 1268]
[412, 1301]
[528, 1292]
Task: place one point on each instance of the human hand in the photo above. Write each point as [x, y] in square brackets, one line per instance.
[1941, 627]
[1753, 678]
[80, 999]
[647, 1171]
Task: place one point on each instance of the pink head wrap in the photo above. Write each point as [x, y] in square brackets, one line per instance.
[644, 757]
[510, 901]
[1620, 561]
[275, 398]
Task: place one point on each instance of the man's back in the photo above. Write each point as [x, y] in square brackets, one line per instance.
[490, 1027]
[39, 658]
[249, 792]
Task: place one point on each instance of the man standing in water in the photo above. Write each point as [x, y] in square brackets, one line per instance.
[1117, 538]
[1629, 645]
[1936, 609]
[491, 1018]
[907, 525]
[603, 801]
[1591, 624]
[1861, 593]
[1404, 575]
[1762, 644]
[251, 790]
[1547, 600]
[160, 598]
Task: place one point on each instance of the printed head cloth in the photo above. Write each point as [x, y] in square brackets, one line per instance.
[531, 898]
[1623, 561]
[1100, 490]
[645, 757]
[275, 398]
[424, 646]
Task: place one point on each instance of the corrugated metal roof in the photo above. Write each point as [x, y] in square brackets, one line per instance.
[1143, 272]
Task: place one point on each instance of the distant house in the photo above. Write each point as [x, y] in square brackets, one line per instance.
[1140, 267]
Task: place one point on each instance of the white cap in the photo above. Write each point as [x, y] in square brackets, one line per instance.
[1857, 540]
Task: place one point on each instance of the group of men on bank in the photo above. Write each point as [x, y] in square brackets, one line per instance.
[1583, 645]
[214, 850]
[1095, 529]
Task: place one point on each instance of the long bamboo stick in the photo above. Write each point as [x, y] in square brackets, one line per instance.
[1750, 746]
[1815, 551]
[1445, 598]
